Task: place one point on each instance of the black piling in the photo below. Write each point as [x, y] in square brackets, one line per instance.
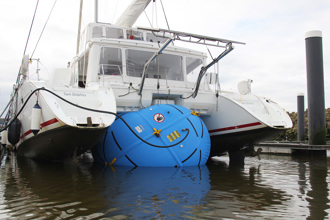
[315, 88]
[301, 116]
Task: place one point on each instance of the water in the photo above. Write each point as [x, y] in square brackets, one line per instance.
[274, 187]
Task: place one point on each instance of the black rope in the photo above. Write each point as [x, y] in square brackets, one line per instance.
[93, 110]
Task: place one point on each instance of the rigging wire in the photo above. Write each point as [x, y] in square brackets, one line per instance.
[28, 38]
[43, 29]
[168, 26]
[147, 18]
[34, 15]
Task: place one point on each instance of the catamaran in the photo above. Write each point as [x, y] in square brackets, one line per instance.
[56, 119]
[144, 67]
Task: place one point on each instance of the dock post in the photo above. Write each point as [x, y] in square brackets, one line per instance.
[315, 88]
[301, 116]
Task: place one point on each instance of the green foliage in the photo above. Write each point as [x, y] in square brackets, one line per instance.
[291, 134]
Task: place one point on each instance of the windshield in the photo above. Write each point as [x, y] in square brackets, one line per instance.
[165, 66]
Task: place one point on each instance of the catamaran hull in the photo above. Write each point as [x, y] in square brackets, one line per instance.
[63, 129]
[238, 140]
[242, 121]
[61, 143]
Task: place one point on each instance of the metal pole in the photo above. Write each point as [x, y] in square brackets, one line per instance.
[96, 10]
[315, 88]
[301, 117]
[79, 25]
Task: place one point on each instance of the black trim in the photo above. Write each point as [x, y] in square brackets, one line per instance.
[193, 127]
[202, 128]
[116, 140]
[130, 160]
[200, 157]
[104, 141]
[176, 108]
[189, 156]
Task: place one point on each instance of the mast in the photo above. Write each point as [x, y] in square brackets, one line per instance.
[132, 13]
[96, 8]
[79, 25]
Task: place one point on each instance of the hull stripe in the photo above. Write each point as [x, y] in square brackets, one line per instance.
[235, 127]
[49, 122]
[44, 124]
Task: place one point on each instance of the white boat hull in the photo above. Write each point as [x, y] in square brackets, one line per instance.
[243, 120]
[65, 130]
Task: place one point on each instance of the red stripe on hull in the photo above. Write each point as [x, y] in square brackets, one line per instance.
[235, 127]
[44, 124]
[49, 122]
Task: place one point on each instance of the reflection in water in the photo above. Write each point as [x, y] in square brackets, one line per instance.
[67, 191]
[271, 188]
[317, 193]
[144, 192]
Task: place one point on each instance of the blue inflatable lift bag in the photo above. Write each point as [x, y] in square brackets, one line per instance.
[168, 136]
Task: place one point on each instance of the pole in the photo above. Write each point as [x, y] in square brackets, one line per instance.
[315, 88]
[96, 11]
[301, 117]
[79, 25]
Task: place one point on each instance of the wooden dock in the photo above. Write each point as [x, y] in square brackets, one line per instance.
[288, 147]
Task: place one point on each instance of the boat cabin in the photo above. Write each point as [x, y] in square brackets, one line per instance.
[109, 52]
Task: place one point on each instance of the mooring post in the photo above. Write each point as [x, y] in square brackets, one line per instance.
[315, 88]
[301, 116]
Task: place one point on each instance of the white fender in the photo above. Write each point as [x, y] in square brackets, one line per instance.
[4, 138]
[35, 119]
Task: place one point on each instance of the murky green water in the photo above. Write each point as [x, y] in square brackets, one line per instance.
[274, 187]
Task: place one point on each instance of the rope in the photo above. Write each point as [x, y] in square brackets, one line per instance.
[93, 110]
[43, 29]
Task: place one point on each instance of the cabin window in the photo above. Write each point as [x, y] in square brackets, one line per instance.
[114, 33]
[110, 61]
[165, 66]
[153, 38]
[97, 32]
[134, 35]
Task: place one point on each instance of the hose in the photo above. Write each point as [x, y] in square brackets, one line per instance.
[89, 109]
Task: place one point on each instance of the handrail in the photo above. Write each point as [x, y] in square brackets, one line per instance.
[192, 38]
[156, 54]
[205, 68]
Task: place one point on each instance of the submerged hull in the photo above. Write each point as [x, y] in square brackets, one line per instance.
[61, 143]
[238, 140]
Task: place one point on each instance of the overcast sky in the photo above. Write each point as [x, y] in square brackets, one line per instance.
[274, 32]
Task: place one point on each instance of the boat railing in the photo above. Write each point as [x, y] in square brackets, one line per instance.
[156, 54]
[229, 48]
[190, 38]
